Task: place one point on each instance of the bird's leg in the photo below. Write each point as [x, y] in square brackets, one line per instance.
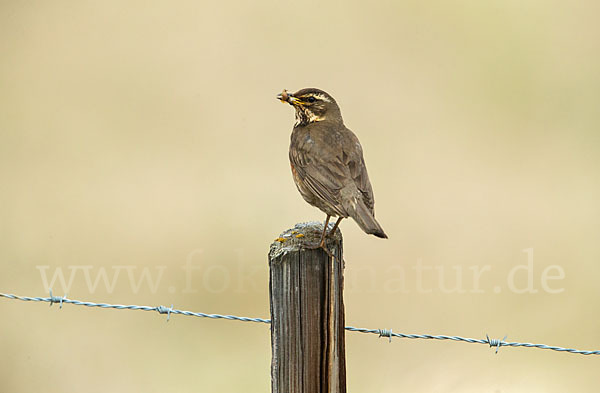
[323, 235]
[337, 223]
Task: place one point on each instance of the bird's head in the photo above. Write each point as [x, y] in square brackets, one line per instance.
[312, 105]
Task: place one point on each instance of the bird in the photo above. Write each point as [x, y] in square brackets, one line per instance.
[327, 162]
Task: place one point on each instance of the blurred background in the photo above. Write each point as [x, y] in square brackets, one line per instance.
[143, 160]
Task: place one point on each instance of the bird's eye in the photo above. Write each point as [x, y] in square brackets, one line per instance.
[311, 99]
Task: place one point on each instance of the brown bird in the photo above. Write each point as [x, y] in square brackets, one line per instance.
[327, 162]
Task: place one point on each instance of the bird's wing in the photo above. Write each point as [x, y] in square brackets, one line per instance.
[352, 158]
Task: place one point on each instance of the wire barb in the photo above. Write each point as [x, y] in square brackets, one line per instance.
[56, 299]
[386, 333]
[165, 310]
[495, 342]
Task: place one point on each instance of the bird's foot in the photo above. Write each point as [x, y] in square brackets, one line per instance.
[321, 246]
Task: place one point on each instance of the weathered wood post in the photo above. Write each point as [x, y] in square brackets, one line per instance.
[307, 313]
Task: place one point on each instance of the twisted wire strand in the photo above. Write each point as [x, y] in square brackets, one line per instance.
[494, 343]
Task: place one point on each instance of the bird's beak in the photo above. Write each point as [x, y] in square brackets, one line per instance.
[286, 97]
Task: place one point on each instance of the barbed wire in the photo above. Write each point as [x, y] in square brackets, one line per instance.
[380, 332]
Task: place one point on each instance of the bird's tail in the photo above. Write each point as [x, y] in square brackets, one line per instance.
[366, 221]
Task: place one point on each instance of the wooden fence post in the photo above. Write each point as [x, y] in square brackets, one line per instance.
[307, 313]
